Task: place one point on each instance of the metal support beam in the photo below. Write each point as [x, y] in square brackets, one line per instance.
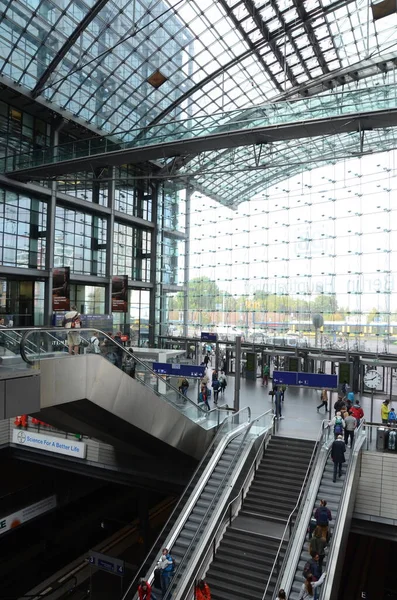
[187, 262]
[90, 16]
[154, 300]
[237, 371]
[110, 240]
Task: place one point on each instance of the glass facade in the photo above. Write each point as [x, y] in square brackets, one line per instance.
[131, 254]
[80, 242]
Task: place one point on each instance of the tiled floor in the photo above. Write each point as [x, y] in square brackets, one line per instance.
[301, 418]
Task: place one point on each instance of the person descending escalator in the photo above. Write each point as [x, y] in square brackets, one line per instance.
[202, 590]
[145, 591]
[167, 566]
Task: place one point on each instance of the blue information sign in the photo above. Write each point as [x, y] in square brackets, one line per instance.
[209, 337]
[178, 370]
[284, 377]
[106, 563]
[315, 380]
[318, 380]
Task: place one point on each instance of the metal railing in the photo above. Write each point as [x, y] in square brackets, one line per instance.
[195, 484]
[297, 510]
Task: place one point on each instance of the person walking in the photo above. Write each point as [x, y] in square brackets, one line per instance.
[206, 361]
[203, 591]
[350, 426]
[317, 545]
[277, 402]
[183, 387]
[223, 381]
[310, 586]
[324, 401]
[338, 450]
[204, 397]
[265, 375]
[216, 386]
[323, 516]
[166, 564]
[384, 412]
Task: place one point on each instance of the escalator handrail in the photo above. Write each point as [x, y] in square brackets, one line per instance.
[333, 547]
[302, 492]
[46, 330]
[220, 436]
[214, 501]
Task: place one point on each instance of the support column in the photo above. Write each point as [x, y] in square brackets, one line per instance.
[237, 370]
[110, 239]
[154, 301]
[50, 232]
[187, 263]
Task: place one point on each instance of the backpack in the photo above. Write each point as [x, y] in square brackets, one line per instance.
[91, 346]
[322, 518]
[338, 427]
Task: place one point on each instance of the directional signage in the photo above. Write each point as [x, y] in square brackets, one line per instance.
[106, 563]
[284, 377]
[176, 370]
[315, 380]
[208, 337]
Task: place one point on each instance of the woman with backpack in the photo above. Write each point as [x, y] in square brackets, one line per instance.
[337, 424]
[309, 588]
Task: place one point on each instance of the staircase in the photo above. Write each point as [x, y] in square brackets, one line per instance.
[244, 559]
[331, 492]
[278, 480]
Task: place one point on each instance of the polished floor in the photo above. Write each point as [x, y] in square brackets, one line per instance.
[301, 419]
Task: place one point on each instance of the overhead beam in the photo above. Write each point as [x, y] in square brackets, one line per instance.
[90, 16]
[332, 125]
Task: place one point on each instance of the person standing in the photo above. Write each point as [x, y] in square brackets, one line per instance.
[323, 516]
[384, 412]
[350, 426]
[338, 450]
[317, 545]
[203, 590]
[265, 374]
[310, 586]
[145, 590]
[71, 322]
[324, 401]
[357, 412]
[118, 350]
[337, 424]
[281, 595]
[166, 564]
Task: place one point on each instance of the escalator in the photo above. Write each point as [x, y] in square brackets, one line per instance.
[205, 506]
[340, 497]
[95, 394]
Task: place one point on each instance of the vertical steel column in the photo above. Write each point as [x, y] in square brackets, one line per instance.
[50, 233]
[154, 301]
[237, 370]
[110, 239]
[187, 262]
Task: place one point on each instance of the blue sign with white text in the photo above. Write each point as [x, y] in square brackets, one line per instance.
[315, 380]
[208, 337]
[106, 563]
[176, 370]
[284, 377]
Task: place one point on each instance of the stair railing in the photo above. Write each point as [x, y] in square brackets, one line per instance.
[322, 438]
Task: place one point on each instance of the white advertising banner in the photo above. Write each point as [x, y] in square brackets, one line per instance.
[27, 514]
[41, 441]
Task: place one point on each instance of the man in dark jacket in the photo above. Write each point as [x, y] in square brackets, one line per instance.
[323, 516]
[338, 450]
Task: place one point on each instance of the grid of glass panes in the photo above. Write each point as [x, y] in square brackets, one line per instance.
[22, 230]
[133, 195]
[80, 242]
[20, 131]
[323, 242]
[214, 56]
[139, 317]
[131, 252]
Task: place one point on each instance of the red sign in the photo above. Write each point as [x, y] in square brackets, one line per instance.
[61, 289]
[120, 293]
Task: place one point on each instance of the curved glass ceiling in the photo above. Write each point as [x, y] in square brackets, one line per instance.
[122, 64]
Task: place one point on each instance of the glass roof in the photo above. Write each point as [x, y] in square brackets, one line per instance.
[126, 64]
